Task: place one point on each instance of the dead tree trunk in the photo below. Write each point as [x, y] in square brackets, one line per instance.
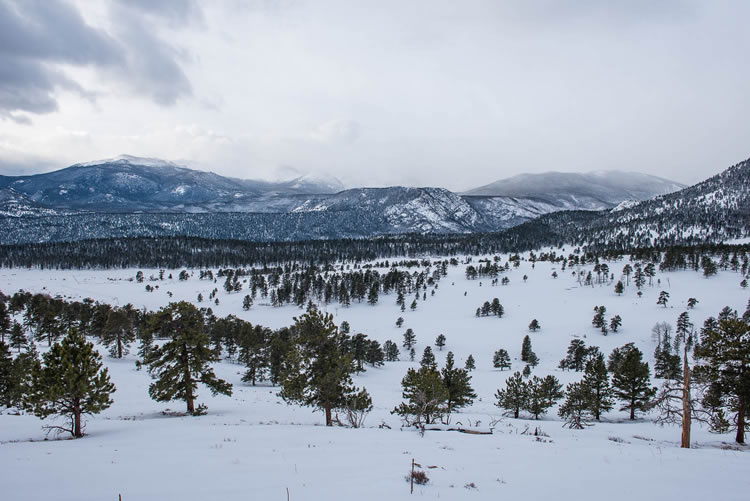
[686, 405]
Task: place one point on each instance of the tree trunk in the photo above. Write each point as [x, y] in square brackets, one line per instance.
[329, 419]
[77, 422]
[119, 347]
[188, 382]
[686, 406]
[740, 439]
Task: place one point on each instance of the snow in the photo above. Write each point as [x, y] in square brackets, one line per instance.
[252, 445]
[129, 159]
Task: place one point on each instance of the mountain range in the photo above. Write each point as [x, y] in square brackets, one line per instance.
[132, 185]
[131, 197]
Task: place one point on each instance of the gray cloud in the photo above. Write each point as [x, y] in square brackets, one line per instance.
[37, 36]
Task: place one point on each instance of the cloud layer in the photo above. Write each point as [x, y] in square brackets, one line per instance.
[429, 92]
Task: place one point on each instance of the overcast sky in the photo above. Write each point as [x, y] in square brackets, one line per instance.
[439, 93]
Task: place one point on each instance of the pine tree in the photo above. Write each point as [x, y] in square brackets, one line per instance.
[470, 365]
[457, 383]
[399, 322]
[525, 349]
[182, 362]
[631, 379]
[440, 341]
[17, 337]
[596, 383]
[391, 351]
[428, 358]
[118, 333]
[515, 395]
[534, 325]
[691, 302]
[71, 383]
[247, 302]
[542, 393]
[598, 321]
[723, 365]
[619, 288]
[319, 371]
[501, 359]
[615, 323]
[663, 298]
[425, 396]
[410, 339]
[7, 380]
[575, 409]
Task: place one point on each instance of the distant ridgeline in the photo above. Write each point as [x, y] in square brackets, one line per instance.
[714, 211]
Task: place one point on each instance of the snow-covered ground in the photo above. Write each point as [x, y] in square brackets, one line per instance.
[252, 445]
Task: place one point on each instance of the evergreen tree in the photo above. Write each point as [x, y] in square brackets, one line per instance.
[663, 298]
[525, 348]
[428, 358]
[575, 410]
[247, 302]
[410, 339]
[399, 322]
[71, 383]
[723, 365]
[182, 362]
[319, 371]
[631, 379]
[541, 394]
[391, 351]
[596, 383]
[457, 383]
[440, 341]
[470, 365]
[615, 323]
[501, 359]
[515, 395]
[8, 381]
[425, 396]
[118, 333]
[17, 337]
[598, 321]
[374, 354]
[619, 288]
[691, 302]
[576, 357]
[534, 325]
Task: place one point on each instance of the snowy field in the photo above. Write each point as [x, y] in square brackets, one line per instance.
[253, 446]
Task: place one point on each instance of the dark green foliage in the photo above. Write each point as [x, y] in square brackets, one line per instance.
[575, 410]
[723, 365]
[117, 332]
[426, 397]
[615, 323]
[17, 338]
[470, 365]
[318, 371]
[577, 356]
[71, 383]
[619, 287]
[513, 398]
[534, 325]
[598, 321]
[457, 383]
[501, 359]
[184, 360]
[410, 339]
[440, 341]
[8, 382]
[525, 349]
[663, 298]
[428, 358]
[596, 383]
[391, 351]
[631, 379]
